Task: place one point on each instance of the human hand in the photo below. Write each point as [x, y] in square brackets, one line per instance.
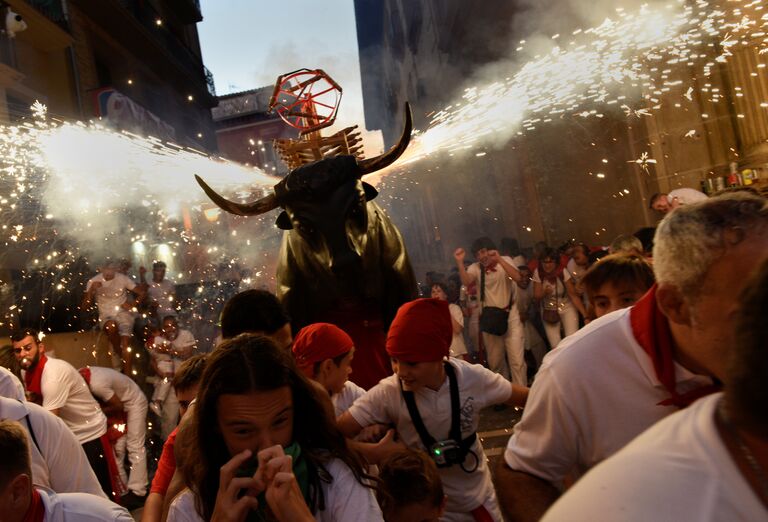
[387, 446]
[95, 285]
[372, 433]
[228, 507]
[459, 254]
[275, 476]
[548, 290]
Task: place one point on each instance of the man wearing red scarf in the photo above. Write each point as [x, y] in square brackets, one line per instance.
[21, 501]
[629, 369]
[56, 386]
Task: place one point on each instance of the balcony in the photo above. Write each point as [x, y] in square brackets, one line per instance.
[53, 10]
[135, 24]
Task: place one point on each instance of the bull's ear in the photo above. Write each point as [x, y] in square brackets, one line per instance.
[370, 192]
[283, 222]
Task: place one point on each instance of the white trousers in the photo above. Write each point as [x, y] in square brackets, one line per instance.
[134, 443]
[569, 319]
[505, 353]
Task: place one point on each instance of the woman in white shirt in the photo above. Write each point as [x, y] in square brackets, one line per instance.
[261, 440]
[550, 287]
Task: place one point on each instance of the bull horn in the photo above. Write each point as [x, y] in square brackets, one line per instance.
[260, 206]
[367, 166]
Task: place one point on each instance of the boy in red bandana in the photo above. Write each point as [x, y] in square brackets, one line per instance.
[324, 353]
[21, 501]
[418, 343]
[624, 372]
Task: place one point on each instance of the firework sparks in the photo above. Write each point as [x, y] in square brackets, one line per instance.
[626, 56]
[643, 161]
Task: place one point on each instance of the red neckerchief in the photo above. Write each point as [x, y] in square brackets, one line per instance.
[33, 378]
[36, 510]
[107, 440]
[491, 268]
[651, 331]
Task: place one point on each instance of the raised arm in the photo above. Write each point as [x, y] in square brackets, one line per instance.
[511, 271]
[466, 278]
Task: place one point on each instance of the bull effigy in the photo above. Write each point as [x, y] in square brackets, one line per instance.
[342, 260]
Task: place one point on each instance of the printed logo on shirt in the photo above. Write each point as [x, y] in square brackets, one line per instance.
[466, 414]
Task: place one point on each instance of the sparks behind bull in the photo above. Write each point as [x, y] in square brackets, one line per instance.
[342, 260]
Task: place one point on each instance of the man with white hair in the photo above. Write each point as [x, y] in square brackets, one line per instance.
[705, 463]
[627, 370]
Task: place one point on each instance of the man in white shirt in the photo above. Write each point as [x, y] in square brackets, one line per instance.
[706, 463]
[629, 369]
[58, 460]
[21, 501]
[111, 290]
[60, 389]
[495, 276]
[118, 393]
[666, 203]
[168, 351]
[161, 293]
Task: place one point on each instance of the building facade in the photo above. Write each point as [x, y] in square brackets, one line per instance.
[136, 64]
[570, 178]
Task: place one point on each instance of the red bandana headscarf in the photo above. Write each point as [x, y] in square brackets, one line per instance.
[318, 342]
[421, 331]
[651, 330]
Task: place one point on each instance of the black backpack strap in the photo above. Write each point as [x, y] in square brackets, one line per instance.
[482, 284]
[455, 433]
[32, 434]
[456, 411]
[426, 439]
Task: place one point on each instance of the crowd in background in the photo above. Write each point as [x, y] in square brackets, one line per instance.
[639, 369]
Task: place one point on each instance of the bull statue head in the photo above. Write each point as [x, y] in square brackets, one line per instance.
[316, 180]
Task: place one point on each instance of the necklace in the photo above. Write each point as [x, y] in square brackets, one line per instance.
[749, 457]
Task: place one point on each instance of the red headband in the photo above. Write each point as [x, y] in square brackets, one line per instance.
[318, 342]
[421, 331]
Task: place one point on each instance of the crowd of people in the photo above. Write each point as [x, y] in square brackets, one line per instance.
[639, 369]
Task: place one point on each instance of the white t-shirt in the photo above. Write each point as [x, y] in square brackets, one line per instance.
[593, 394]
[679, 469]
[498, 285]
[574, 271]
[63, 388]
[58, 459]
[686, 196]
[457, 343]
[10, 385]
[346, 500]
[111, 295]
[162, 293]
[81, 507]
[559, 298]
[106, 382]
[346, 397]
[478, 388]
[184, 343]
